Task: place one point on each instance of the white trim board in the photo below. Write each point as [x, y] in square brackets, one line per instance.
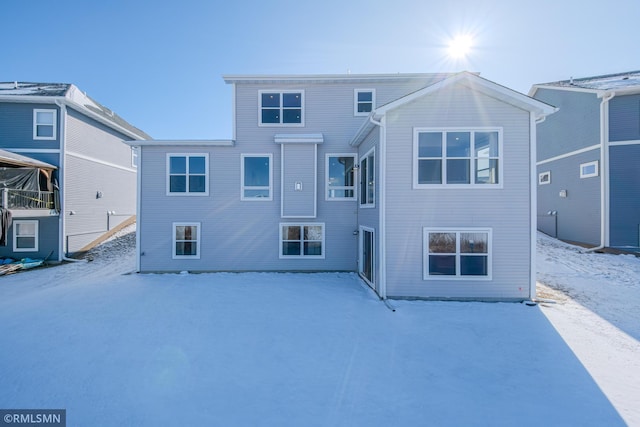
[569, 154]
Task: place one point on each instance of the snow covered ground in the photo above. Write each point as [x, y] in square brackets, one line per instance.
[318, 349]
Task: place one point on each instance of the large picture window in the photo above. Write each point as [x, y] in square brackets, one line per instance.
[457, 158]
[340, 173]
[459, 253]
[187, 174]
[367, 180]
[25, 236]
[44, 124]
[302, 240]
[256, 177]
[283, 108]
[186, 240]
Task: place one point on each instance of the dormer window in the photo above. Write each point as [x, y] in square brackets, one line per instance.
[281, 108]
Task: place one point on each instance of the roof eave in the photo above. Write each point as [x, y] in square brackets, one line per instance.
[182, 142]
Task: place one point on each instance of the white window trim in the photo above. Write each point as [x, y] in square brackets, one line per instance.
[326, 179]
[243, 187]
[187, 193]
[355, 101]
[15, 235]
[368, 205]
[472, 171]
[302, 255]
[281, 92]
[35, 124]
[457, 230]
[135, 156]
[541, 176]
[589, 175]
[173, 240]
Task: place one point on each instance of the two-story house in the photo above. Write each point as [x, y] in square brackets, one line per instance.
[66, 177]
[588, 157]
[422, 183]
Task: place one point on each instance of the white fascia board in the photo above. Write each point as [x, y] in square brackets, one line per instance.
[289, 138]
[293, 78]
[181, 143]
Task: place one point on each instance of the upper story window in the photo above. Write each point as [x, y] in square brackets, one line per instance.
[256, 177]
[587, 170]
[340, 173]
[457, 158]
[187, 174]
[367, 180]
[44, 124]
[364, 101]
[457, 254]
[281, 108]
[134, 156]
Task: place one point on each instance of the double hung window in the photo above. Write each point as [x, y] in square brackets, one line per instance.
[44, 124]
[25, 236]
[364, 101]
[186, 240]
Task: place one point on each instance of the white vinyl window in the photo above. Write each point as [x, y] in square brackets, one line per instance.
[340, 173]
[134, 157]
[187, 174]
[463, 253]
[457, 158]
[256, 177]
[302, 240]
[25, 236]
[587, 170]
[186, 240]
[367, 179]
[364, 101]
[544, 178]
[44, 124]
[281, 108]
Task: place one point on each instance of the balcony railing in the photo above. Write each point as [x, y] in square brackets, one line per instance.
[23, 199]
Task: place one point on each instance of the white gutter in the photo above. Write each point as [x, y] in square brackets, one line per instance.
[382, 289]
[604, 171]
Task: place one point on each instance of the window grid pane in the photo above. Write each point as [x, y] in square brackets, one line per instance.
[302, 240]
[457, 253]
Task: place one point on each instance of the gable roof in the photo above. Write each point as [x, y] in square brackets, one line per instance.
[467, 79]
[71, 96]
[620, 83]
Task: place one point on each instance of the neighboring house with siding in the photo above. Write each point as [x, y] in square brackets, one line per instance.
[87, 175]
[588, 157]
[422, 183]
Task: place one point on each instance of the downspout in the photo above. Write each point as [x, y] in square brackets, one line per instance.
[62, 230]
[382, 209]
[604, 170]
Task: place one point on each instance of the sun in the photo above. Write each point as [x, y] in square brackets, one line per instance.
[460, 46]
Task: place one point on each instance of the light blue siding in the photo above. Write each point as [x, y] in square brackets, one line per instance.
[16, 126]
[99, 179]
[47, 239]
[575, 126]
[299, 188]
[504, 210]
[578, 214]
[624, 195]
[624, 118]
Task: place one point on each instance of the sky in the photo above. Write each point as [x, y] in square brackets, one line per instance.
[159, 65]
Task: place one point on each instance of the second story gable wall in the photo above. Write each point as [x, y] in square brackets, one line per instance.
[505, 209]
[624, 118]
[16, 126]
[575, 126]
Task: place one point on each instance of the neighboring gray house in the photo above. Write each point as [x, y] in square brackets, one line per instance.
[422, 183]
[588, 160]
[75, 177]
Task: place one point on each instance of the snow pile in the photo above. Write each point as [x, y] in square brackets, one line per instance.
[279, 349]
